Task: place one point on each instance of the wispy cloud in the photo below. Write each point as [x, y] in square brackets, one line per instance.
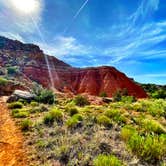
[65, 47]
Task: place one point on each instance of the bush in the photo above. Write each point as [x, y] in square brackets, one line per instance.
[34, 104]
[81, 101]
[26, 125]
[117, 96]
[72, 110]
[127, 132]
[15, 105]
[20, 113]
[153, 126]
[45, 96]
[53, 115]
[105, 160]
[149, 147]
[56, 114]
[74, 121]
[3, 81]
[12, 70]
[116, 116]
[103, 94]
[128, 99]
[48, 119]
[78, 116]
[104, 120]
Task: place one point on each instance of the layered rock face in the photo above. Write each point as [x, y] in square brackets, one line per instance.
[93, 81]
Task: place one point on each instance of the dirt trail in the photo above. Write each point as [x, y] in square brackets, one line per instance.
[11, 140]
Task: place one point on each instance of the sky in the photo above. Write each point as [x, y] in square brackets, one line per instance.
[127, 34]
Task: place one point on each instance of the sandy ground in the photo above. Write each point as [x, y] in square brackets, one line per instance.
[11, 140]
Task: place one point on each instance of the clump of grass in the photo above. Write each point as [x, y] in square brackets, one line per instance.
[74, 121]
[78, 116]
[115, 115]
[150, 125]
[72, 110]
[39, 109]
[26, 125]
[149, 147]
[104, 120]
[53, 115]
[48, 119]
[34, 104]
[15, 105]
[81, 101]
[56, 114]
[106, 160]
[127, 132]
[20, 113]
[3, 81]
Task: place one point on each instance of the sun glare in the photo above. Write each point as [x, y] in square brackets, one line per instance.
[25, 6]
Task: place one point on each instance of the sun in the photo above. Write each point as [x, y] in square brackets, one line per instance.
[25, 6]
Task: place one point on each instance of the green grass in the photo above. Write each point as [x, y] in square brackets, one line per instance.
[150, 147]
[152, 126]
[3, 81]
[20, 113]
[107, 160]
[104, 120]
[115, 115]
[26, 125]
[15, 105]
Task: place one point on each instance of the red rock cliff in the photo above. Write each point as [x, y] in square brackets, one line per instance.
[93, 81]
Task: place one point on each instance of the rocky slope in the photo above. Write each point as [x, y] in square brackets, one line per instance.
[31, 62]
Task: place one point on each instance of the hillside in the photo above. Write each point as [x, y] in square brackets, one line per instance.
[31, 63]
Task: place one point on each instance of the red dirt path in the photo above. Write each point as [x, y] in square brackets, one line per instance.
[11, 140]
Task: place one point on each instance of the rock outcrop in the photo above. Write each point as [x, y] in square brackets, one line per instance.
[93, 81]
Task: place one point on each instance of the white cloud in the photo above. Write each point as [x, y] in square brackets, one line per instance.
[65, 46]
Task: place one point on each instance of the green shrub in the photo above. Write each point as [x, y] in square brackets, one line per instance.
[48, 119]
[74, 120]
[104, 120]
[72, 110]
[26, 125]
[127, 132]
[15, 105]
[45, 96]
[116, 116]
[106, 160]
[128, 99]
[20, 113]
[78, 116]
[150, 148]
[34, 104]
[81, 101]
[53, 115]
[3, 81]
[153, 126]
[103, 94]
[56, 114]
[12, 70]
[117, 96]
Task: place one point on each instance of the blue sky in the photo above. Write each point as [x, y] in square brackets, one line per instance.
[127, 34]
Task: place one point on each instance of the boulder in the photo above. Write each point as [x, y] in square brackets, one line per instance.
[19, 94]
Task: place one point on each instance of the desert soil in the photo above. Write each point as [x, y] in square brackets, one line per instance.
[12, 152]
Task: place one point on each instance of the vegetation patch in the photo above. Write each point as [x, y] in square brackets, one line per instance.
[107, 160]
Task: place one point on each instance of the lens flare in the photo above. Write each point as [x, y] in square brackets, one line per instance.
[25, 6]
